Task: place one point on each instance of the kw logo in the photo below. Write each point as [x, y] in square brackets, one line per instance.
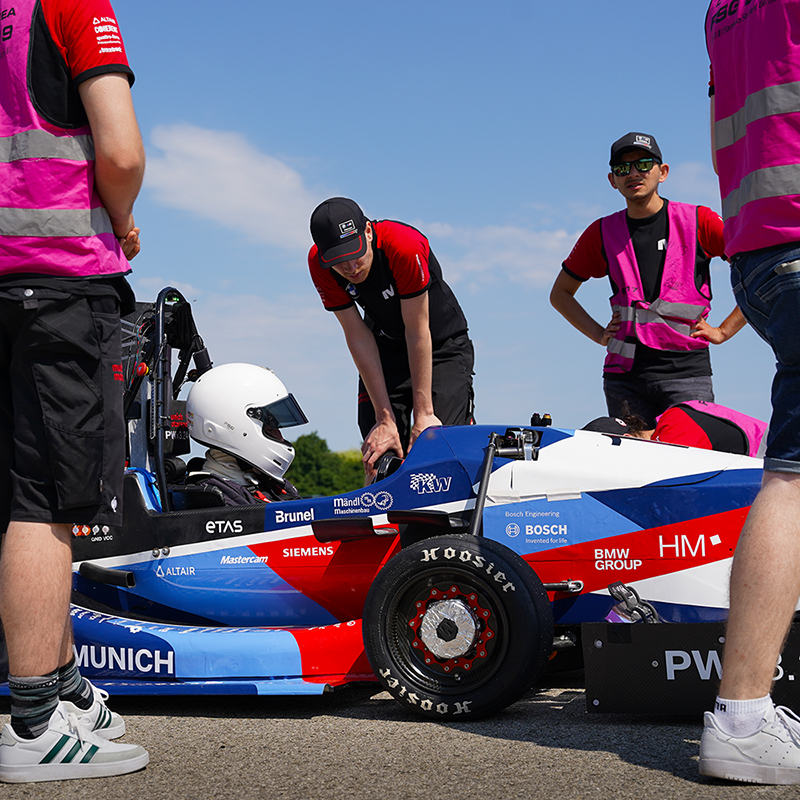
[428, 483]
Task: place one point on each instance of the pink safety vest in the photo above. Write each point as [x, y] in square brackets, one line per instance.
[753, 429]
[757, 119]
[664, 324]
[52, 220]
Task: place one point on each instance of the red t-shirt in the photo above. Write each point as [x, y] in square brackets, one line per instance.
[677, 427]
[588, 258]
[87, 35]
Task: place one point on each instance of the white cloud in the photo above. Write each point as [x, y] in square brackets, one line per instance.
[149, 287]
[220, 176]
[494, 254]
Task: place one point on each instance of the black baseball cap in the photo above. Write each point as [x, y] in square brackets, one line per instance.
[612, 425]
[635, 141]
[338, 229]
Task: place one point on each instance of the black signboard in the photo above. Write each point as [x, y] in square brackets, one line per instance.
[668, 668]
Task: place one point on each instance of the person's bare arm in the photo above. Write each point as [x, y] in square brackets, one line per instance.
[562, 298]
[730, 326]
[364, 350]
[420, 362]
[119, 152]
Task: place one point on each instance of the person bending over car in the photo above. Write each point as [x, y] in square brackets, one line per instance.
[693, 424]
[238, 410]
[411, 346]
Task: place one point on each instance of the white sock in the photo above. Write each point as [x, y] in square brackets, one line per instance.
[741, 717]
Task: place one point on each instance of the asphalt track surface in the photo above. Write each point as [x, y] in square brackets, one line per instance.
[359, 743]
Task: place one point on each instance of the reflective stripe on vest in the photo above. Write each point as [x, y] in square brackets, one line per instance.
[647, 316]
[58, 222]
[783, 99]
[664, 324]
[42, 144]
[757, 120]
[762, 184]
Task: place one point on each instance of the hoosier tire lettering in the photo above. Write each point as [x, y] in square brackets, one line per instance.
[427, 704]
[465, 556]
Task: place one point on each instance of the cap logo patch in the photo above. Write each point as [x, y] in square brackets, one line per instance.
[643, 140]
[347, 228]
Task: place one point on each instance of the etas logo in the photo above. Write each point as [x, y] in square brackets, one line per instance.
[224, 526]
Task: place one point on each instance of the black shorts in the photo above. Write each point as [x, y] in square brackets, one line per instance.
[451, 384]
[62, 435]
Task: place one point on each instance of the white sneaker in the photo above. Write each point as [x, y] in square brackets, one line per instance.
[67, 749]
[770, 755]
[100, 719]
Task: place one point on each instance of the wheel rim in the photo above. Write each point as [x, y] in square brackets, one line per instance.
[453, 658]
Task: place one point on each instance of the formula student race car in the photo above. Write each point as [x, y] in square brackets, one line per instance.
[452, 580]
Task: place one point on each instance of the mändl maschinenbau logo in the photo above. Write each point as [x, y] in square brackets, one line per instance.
[367, 503]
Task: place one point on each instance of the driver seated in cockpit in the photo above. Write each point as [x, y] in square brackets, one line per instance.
[238, 411]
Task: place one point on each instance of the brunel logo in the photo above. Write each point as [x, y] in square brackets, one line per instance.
[294, 516]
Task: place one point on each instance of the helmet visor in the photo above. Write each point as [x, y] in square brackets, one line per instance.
[283, 413]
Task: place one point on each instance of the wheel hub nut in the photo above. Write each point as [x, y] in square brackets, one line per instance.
[448, 629]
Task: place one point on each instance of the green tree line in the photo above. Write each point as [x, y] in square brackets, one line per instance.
[316, 470]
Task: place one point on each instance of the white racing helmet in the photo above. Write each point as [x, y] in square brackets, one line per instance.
[239, 408]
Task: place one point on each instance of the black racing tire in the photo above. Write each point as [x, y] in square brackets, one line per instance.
[501, 606]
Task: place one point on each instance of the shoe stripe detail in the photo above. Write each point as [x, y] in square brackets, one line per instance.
[89, 754]
[76, 748]
[105, 720]
[57, 747]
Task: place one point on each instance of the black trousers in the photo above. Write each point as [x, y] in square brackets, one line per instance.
[453, 398]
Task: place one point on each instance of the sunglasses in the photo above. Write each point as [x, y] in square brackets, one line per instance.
[641, 164]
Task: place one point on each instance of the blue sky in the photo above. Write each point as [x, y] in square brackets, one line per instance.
[487, 126]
